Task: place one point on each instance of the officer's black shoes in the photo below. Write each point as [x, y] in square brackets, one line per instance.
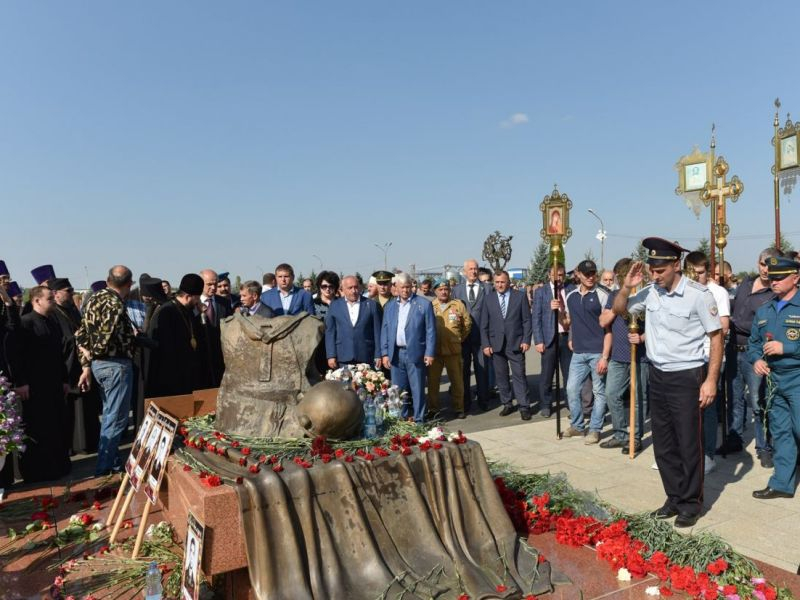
[765, 456]
[483, 405]
[525, 413]
[637, 447]
[732, 447]
[614, 443]
[768, 494]
[665, 512]
[507, 410]
[686, 520]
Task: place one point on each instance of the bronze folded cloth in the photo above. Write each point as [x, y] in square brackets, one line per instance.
[429, 524]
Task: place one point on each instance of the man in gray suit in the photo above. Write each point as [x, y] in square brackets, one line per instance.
[472, 293]
[506, 337]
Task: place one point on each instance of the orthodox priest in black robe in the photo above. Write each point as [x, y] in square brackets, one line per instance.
[9, 354]
[179, 362]
[42, 386]
[68, 317]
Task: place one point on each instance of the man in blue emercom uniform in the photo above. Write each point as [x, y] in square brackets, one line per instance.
[680, 313]
[774, 350]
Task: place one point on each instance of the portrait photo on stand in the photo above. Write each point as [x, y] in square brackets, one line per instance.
[168, 426]
[140, 470]
[192, 555]
[141, 436]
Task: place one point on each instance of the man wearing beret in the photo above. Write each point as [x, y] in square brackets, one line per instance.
[774, 350]
[680, 313]
[453, 325]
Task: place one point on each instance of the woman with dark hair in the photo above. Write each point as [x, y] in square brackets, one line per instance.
[328, 286]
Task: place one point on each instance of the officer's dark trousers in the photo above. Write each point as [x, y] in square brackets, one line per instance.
[677, 435]
[784, 424]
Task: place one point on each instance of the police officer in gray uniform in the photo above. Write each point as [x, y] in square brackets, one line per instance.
[774, 350]
[679, 314]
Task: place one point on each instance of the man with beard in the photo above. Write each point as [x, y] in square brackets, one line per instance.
[178, 365]
[43, 387]
[68, 318]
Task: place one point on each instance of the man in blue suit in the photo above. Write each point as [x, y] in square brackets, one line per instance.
[353, 328]
[506, 337]
[286, 298]
[408, 342]
[472, 293]
[544, 337]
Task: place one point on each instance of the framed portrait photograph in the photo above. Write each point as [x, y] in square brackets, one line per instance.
[167, 426]
[192, 556]
[555, 216]
[143, 463]
[788, 152]
[141, 436]
[696, 176]
[555, 221]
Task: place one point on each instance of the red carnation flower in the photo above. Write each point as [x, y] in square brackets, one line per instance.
[39, 516]
[277, 468]
[339, 453]
[273, 459]
[405, 451]
[262, 459]
[348, 458]
[187, 468]
[501, 588]
[246, 451]
[368, 456]
[86, 519]
[239, 480]
[254, 468]
[97, 505]
[242, 462]
[235, 444]
[326, 458]
[437, 446]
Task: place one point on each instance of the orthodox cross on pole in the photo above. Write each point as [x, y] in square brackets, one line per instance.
[718, 194]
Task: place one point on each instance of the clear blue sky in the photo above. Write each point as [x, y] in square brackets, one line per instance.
[173, 136]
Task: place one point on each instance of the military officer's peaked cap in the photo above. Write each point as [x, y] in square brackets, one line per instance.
[779, 267]
[383, 276]
[661, 250]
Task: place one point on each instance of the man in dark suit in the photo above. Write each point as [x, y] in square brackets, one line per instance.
[250, 299]
[472, 293]
[286, 298]
[408, 342]
[544, 337]
[353, 328]
[213, 310]
[506, 337]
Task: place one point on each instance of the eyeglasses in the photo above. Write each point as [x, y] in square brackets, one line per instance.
[325, 286]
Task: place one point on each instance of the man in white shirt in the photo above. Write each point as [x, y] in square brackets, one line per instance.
[696, 266]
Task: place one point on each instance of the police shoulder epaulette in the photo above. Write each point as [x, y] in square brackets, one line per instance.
[698, 286]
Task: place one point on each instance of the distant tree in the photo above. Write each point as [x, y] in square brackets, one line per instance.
[704, 247]
[640, 253]
[786, 245]
[540, 264]
[237, 284]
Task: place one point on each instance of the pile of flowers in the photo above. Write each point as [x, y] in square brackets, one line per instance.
[616, 542]
[256, 455]
[370, 383]
[12, 435]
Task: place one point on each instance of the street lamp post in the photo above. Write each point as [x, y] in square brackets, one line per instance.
[601, 235]
[385, 249]
[318, 260]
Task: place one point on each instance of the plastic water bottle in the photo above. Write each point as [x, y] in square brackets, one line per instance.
[152, 583]
[370, 426]
[379, 415]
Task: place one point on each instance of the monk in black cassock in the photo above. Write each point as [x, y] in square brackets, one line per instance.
[9, 356]
[42, 387]
[179, 364]
[68, 317]
[152, 293]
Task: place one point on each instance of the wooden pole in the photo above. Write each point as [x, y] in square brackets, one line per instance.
[121, 516]
[120, 492]
[633, 327]
[142, 527]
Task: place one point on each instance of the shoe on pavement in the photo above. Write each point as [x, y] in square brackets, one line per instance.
[768, 494]
[572, 432]
[730, 448]
[507, 410]
[461, 415]
[592, 438]
[708, 465]
[637, 447]
[686, 520]
[545, 413]
[614, 443]
[665, 512]
[525, 413]
[765, 456]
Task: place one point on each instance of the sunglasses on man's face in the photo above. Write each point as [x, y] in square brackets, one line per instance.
[779, 277]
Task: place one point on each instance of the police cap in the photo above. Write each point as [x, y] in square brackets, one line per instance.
[660, 250]
[383, 276]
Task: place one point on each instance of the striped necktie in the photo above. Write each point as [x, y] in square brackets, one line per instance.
[503, 305]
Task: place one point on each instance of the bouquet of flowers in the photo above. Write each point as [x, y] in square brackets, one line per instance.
[369, 383]
[11, 431]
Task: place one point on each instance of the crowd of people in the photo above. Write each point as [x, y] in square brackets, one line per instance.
[83, 363]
